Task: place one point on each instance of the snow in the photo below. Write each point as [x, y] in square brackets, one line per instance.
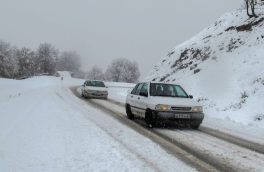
[65, 74]
[249, 132]
[44, 127]
[117, 91]
[220, 151]
[230, 83]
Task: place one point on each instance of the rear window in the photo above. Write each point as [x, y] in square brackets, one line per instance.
[95, 83]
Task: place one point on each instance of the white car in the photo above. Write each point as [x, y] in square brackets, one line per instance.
[94, 89]
[162, 102]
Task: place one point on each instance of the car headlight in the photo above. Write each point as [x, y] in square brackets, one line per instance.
[197, 109]
[161, 107]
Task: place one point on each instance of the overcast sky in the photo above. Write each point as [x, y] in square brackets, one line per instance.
[102, 30]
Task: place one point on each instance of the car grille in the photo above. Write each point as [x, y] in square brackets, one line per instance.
[181, 108]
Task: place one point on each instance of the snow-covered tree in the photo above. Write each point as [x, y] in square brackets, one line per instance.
[8, 62]
[46, 58]
[95, 73]
[25, 59]
[69, 61]
[123, 70]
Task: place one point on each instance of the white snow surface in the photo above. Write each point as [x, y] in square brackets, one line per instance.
[44, 127]
[228, 64]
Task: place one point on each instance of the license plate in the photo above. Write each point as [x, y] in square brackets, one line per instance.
[182, 116]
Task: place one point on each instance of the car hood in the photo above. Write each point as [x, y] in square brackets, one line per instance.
[173, 101]
[96, 88]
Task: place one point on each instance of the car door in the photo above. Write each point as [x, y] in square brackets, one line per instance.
[135, 105]
[130, 96]
[142, 100]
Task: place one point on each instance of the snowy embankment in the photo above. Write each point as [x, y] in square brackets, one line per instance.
[118, 91]
[222, 67]
[44, 127]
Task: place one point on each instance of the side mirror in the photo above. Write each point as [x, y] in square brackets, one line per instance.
[143, 94]
[190, 96]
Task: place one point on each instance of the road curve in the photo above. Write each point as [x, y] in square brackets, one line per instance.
[200, 149]
[224, 136]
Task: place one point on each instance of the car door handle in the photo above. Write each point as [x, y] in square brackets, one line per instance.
[131, 96]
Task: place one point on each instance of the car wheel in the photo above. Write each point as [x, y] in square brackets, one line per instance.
[130, 115]
[82, 94]
[195, 126]
[148, 118]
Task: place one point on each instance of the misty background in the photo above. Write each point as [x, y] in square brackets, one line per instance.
[104, 30]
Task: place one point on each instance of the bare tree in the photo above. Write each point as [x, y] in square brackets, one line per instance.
[69, 61]
[95, 73]
[26, 63]
[251, 6]
[46, 58]
[123, 70]
[8, 62]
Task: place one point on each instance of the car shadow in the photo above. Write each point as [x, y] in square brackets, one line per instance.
[165, 125]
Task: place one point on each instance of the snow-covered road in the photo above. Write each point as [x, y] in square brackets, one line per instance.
[44, 127]
[219, 153]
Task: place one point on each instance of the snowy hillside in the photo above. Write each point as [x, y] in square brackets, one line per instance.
[222, 67]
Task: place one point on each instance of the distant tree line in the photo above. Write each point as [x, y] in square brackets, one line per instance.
[25, 62]
[120, 70]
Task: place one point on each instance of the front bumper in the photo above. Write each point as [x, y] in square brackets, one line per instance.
[177, 116]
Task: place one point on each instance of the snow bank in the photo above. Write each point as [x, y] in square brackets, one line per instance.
[118, 91]
[65, 74]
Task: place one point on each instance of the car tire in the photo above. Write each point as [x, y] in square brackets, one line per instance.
[130, 115]
[82, 94]
[148, 118]
[195, 126]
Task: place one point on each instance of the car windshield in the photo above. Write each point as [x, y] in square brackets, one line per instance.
[167, 90]
[95, 83]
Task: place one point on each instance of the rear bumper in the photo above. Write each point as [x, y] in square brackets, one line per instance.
[95, 95]
[178, 116]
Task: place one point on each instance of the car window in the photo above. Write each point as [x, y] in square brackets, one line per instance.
[144, 88]
[95, 83]
[180, 92]
[134, 89]
[139, 88]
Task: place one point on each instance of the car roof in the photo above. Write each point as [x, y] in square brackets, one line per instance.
[95, 80]
[155, 82]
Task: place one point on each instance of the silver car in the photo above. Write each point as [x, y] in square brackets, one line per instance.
[94, 89]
